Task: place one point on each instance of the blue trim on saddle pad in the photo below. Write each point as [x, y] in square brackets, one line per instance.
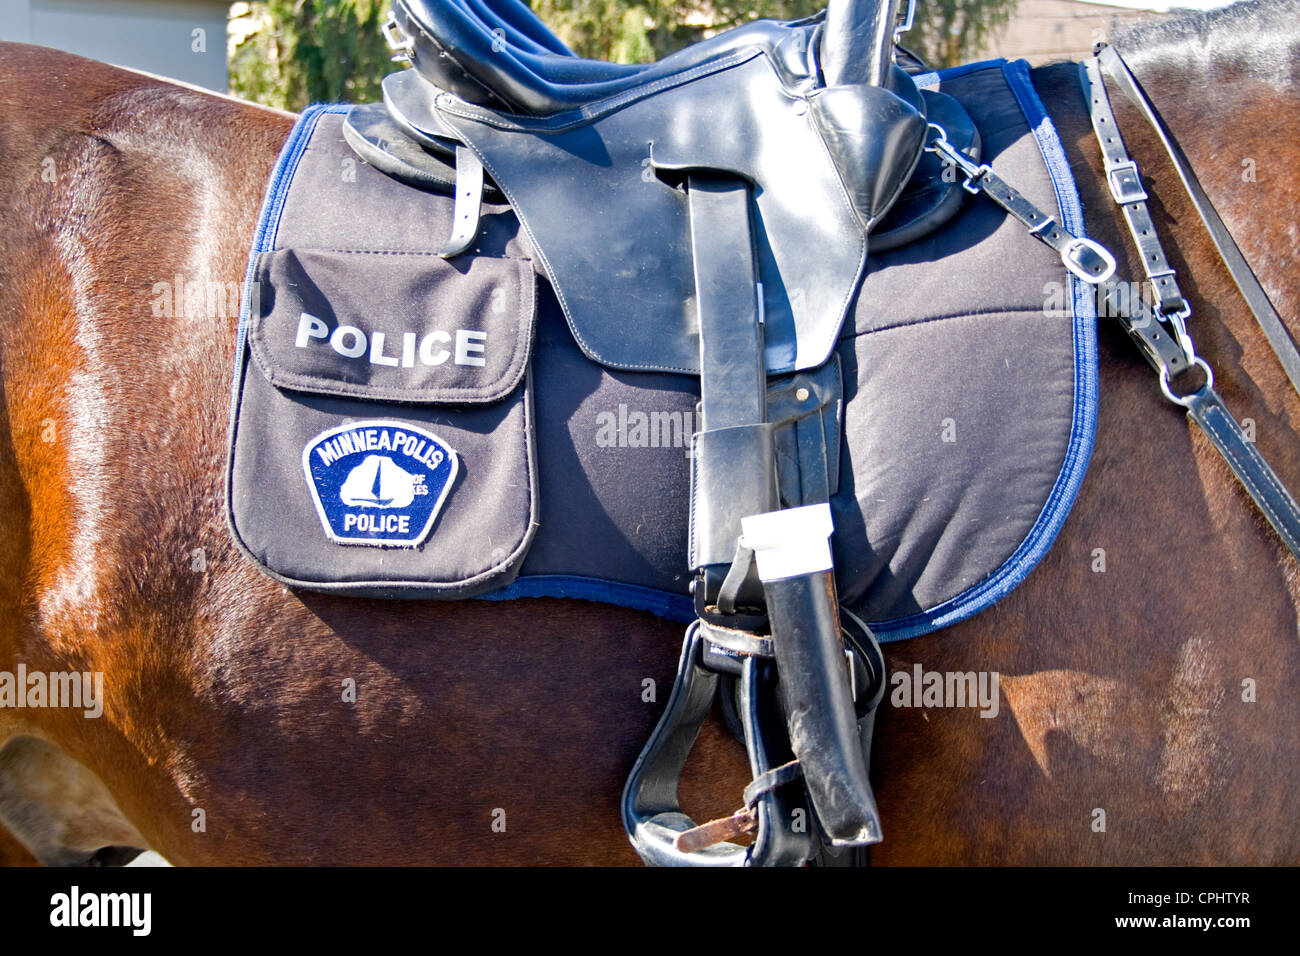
[268, 219]
[679, 606]
[674, 607]
[932, 79]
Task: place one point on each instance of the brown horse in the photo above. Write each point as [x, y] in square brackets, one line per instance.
[1149, 710]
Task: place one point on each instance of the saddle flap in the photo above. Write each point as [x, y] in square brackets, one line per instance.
[613, 236]
[392, 325]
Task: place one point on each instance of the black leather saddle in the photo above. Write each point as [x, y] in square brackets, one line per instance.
[707, 215]
[592, 157]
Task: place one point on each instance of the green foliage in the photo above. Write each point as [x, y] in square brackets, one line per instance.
[946, 33]
[289, 53]
[949, 32]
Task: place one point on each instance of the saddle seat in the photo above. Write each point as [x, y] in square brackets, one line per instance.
[497, 53]
[593, 158]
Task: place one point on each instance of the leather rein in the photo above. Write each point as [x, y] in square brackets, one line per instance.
[1159, 331]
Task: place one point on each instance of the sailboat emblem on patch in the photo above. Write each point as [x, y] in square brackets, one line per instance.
[378, 483]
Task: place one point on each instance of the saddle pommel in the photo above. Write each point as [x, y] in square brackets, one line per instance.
[857, 45]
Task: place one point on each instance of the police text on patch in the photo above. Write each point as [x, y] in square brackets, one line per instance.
[467, 346]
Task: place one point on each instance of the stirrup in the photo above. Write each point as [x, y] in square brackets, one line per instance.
[652, 814]
[787, 831]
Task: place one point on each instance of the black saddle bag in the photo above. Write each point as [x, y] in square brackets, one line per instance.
[382, 424]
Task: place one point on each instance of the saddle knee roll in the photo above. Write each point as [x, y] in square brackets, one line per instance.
[877, 138]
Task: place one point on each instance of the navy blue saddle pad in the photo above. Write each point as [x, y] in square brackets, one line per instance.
[406, 426]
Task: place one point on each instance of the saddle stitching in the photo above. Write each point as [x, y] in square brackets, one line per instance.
[555, 287]
[1213, 417]
[526, 301]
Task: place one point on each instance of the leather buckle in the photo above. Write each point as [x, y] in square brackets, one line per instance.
[1088, 259]
[399, 44]
[704, 589]
[1125, 183]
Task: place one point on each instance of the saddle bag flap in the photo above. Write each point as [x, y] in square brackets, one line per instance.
[382, 443]
[393, 326]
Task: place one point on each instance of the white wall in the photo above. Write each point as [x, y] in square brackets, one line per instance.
[154, 35]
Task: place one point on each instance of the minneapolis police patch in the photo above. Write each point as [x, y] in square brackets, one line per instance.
[379, 483]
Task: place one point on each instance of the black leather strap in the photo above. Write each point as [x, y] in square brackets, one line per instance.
[788, 772]
[1251, 290]
[817, 697]
[1207, 410]
[1204, 407]
[742, 643]
[733, 473]
[1125, 182]
[1159, 347]
[1083, 257]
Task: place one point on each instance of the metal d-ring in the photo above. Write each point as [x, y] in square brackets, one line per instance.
[1186, 400]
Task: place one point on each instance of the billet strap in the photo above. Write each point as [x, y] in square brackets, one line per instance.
[1251, 289]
